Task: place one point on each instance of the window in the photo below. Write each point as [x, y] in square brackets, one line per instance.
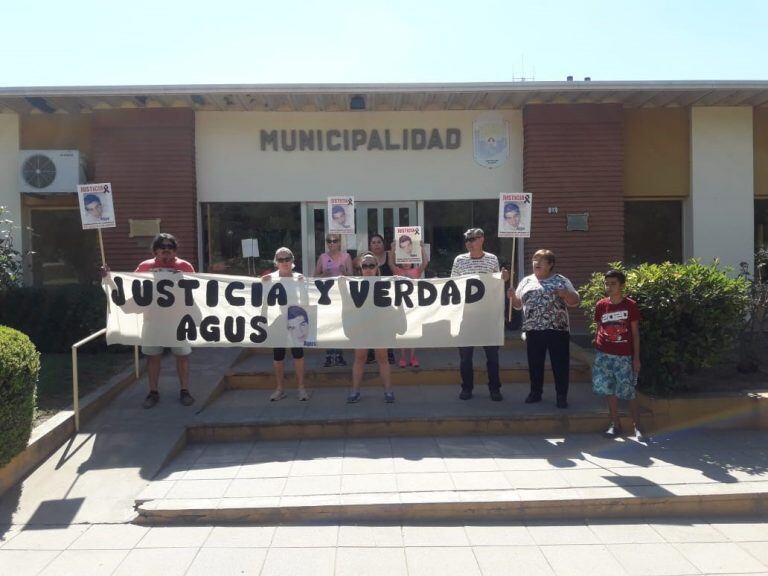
[653, 232]
[225, 225]
[445, 223]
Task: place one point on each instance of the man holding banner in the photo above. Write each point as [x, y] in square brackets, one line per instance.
[477, 261]
[164, 248]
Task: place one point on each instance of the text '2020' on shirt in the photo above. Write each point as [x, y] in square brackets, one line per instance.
[465, 264]
[614, 326]
[543, 309]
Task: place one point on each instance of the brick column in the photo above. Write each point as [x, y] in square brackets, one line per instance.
[149, 157]
[573, 160]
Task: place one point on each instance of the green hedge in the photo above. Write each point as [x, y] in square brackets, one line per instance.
[19, 367]
[55, 318]
[692, 315]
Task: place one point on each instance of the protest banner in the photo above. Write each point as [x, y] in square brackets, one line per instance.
[408, 244]
[341, 215]
[515, 215]
[165, 309]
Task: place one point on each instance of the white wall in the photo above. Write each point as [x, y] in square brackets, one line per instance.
[232, 167]
[721, 207]
[9, 158]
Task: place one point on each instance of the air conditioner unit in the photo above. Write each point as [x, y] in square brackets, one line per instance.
[45, 171]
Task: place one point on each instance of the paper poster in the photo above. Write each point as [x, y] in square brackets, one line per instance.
[250, 247]
[97, 209]
[515, 215]
[491, 141]
[407, 245]
[341, 215]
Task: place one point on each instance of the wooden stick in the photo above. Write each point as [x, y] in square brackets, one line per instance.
[511, 278]
[101, 247]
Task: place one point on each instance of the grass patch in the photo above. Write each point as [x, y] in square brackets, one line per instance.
[54, 385]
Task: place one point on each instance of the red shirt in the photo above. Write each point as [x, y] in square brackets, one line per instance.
[614, 326]
[153, 265]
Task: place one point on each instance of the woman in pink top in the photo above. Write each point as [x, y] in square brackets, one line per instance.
[330, 264]
[413, 271]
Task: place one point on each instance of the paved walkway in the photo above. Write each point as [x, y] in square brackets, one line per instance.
[72, 515]
[668, 547]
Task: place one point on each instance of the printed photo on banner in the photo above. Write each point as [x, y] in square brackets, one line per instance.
[301, 324]
[491, 141]
[97, 209]
[341, 215]
[515, 215]
[408, 244]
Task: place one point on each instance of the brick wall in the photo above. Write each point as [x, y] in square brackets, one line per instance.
[149, 157]
[573, 160]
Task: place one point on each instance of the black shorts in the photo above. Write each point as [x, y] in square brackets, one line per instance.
[278, 354]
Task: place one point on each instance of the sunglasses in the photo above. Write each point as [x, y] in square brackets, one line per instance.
[368, 266]
[166, 247]
[286, 259]
[331, 241]
[472, 239]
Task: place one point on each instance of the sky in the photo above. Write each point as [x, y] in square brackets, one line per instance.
[163, 42]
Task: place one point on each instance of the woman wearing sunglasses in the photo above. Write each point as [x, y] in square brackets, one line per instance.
[331, 264]
[284, 264]
[369, 265]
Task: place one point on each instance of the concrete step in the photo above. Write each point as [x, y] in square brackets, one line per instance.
[426, 478]
[330, 377]
[247, 414]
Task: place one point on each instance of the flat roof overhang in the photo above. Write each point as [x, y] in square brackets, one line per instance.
[381, 97]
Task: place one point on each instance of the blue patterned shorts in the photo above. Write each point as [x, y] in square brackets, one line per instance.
[612, 376]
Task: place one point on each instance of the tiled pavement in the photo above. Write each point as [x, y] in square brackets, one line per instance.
[654, 547]
[72, 515]
[402, 470]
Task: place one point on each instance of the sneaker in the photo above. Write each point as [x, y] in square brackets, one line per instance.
[496, 396]
[328, 361]
[465, 394]
[390, 356]
[532, 398]
[152, 398]
[414, 362]
[353, 398]
[185, 397]
[562, 402]
[302, 395]
[613, 431]
[640, 436]
[340, 360]
[277, 395]
[389, 397]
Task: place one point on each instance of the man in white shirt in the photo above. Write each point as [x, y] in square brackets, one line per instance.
[477, 261]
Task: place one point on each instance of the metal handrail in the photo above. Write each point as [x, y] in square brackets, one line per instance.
[75, 383]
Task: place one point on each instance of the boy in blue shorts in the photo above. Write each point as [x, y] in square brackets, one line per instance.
[617, 362]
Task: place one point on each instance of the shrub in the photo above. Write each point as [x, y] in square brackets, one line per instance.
[692, 315]
[19, 367]
[10, 259]
[55, 318]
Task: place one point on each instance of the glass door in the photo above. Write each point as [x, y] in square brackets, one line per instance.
[370, 218]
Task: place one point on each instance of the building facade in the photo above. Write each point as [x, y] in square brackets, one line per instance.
[618, 171]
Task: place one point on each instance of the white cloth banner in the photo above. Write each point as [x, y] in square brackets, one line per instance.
[167, 309]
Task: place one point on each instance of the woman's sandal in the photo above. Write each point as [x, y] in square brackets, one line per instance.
[277, 395]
